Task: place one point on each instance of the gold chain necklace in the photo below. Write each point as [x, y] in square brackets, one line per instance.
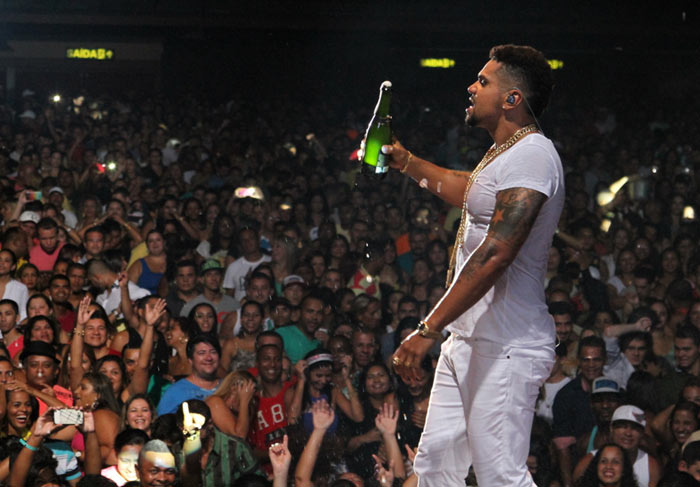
[490, 155]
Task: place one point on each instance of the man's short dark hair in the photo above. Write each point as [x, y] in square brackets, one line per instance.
[316, 294]
[591, 341]
[10, 302]
[197, 339]
[625, 340]
[529, 71]
[268, 333]
[186, 263]
[687, 331]
[46, 224]
[407, 299]
[261, 275]
[561, 308]
[96, 229]
[58, 277]
[130, 436]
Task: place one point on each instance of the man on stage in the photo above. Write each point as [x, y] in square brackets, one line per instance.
[502, 344]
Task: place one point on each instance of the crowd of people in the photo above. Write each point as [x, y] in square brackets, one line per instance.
[206, 294]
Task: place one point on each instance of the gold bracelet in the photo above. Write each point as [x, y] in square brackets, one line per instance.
[408, 161]
[79, 332]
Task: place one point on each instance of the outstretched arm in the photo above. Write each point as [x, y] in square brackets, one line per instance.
[444, 183]
[514, 215]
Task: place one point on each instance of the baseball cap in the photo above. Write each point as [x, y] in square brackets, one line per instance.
[605, 384]
[210, 265]
[38, 348]
[694, 437]
[629, 413]
[293, 279]
[56, 189]
[29, 216]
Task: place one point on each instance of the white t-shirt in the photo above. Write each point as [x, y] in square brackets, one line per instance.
[513, 311]
[112, 298]
[237, 271]
[544, 406]
[17, 292]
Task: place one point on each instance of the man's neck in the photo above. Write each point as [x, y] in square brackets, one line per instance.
[186, 296]
[271, 389]
[586, 384]
[505, 130]
[5, 278]
[302, 329]
[203, 382]
[213, 296]
[253, 256]
[694, 369]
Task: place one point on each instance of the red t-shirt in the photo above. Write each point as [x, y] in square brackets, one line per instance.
[43, 261]
[270, 420]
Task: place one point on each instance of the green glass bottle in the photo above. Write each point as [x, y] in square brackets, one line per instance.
[378, 134]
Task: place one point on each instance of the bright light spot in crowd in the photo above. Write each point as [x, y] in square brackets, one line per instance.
[56, 98]
[556, 63]
[689, 213]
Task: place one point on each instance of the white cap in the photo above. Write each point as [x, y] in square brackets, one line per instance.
[293, 279]
[29, 216]
[629, 413]
[56, 189]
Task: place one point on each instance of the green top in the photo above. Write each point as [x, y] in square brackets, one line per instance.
[296, 343]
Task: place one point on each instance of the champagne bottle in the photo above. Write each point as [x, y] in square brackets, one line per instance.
[378, 134]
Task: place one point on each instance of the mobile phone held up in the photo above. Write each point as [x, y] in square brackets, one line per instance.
[68, 416]
[34, 195]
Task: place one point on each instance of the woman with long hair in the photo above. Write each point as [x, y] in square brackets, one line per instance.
[338, 252]
[376, 389]
[221, 244]
[239, 352]
[139, 413]
[94, 392]
[148, 271]
[232, 405]
[28, 275]
[21, 411]
[284, 258]
[177, 336]
[203, 320]
[610, 467]
[318, 385]
[44, 329]
[414, 394]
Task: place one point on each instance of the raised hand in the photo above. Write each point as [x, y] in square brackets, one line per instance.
[154, 311]
[384, 476]
[246, 389]
[345, 365]
[299, 368]
[191, 422]
[387, 419]
[643, 323]
[322, 414]
[410, 452]
[280, 457]
[83, 311]
[123, 280]
[44, 424]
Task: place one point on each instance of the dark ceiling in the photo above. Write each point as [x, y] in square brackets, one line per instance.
[565, 25]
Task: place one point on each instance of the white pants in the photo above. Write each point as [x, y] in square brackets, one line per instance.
[480, 413]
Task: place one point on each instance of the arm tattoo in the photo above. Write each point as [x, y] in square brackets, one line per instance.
[514, 215]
